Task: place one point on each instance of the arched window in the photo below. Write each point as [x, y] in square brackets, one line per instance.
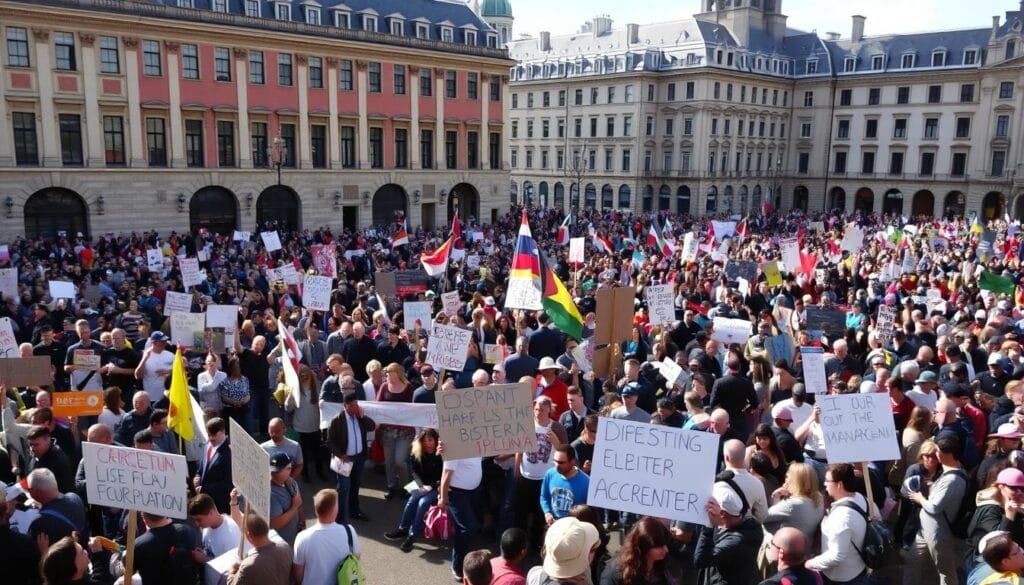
[590, 196]
[727, 195]
[625, 197]
[527, 193]
[559, 196]
[711, 205]
[214, 209]
[277, 208]
[683, 200]
[893, 202]
[389, 202]
[542, 191]
[514, 193]
[664, 198]
[607, 196]
[743, 200]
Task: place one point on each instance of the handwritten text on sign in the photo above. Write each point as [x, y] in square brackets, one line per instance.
[448, 347]
[316, 293]
[493, 420]
[136, 479]
[250, 469]
[653, 470]
[660, 306]
[858, 427]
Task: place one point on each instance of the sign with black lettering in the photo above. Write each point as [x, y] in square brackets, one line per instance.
[491, 420]
[136, 479]
[858, 427]
[653, 470]
[448, 348]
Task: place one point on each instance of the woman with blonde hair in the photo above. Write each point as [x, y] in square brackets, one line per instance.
[395, 439]
[426, 472]
[305, 420]
[798, 503]
[919, 478]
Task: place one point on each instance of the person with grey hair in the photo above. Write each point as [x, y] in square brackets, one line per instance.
[520, 363]
[60, 514]
[481, 378]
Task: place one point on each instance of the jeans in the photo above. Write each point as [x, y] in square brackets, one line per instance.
[415, 509]
[933, 561]
[396, 443]
[348, 489]
[462, 510]
[241, 415]
[260, 406]
[527, 512]
[312, 453]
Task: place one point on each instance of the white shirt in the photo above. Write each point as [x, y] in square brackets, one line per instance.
[320, 549]
[466, 473]
[800, 413]
[534, 464]
[924, 399]
[217, 541]
[151, 382]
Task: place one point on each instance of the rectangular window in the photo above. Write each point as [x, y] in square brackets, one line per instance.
[318, 144]
[611, 94]
[967, 93]
[399, 79]
[401, 148]
[867, 165]
[970, 57]
[963, 127]
[71, 139]
[578, 97]
[849, 64]
[450, 84]
[17, 47]
[529, 158]
[903, 95]
[495, 151]
[959, 166]
[222, 63]
[471, 86]
[845, 97]
[426, 82]
[495, 85]
[312, 15]
[927, 163]
[896, 163]
[529, 99]
[284, 69]
[899, 128]
[156, 142]
[1003, 126]
[625, 160]
[840, 163]
[373, 78]
[194, 155]
[931, 128]
[473, 150]
[377, 148]
[64, 51]
[348, 146]
[578, 127]
[627, 125]
[113, 140]
[451, 151]
[871, 128]
[345, 79]
[938, 59]
[808, 99]
[1005, 90]
[529, 128]
[190, 61]
[545, 128]
[610, 126]
[609, 157]
[252, 8]
[260, 145]
[220, 5]
[26, 142]
[593, 126]
[934, 94]
[342, 19]
[225, 143]
[447, 35]
[427, 149]
[690, 89]
[370, 23]
[718, 90]
[907, 61]
[805, 130]
[316, 72]
[545, 99]
[256, 73]
[650, 125]
[671, 92]
[628, 97]
[110, 60]
[288, 135]
[593, 95]
[874, 96]
[670, 126]
[843, 130]
[561, 98]
[422, 31]
[877, 62]
[560, 159]
[803, 162]
[396, 27]
[283, 11]
[151, 61]
[998, 162]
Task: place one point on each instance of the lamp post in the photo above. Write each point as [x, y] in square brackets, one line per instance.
[277, 153]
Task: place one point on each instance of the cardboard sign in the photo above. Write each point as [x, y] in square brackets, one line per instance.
[250, 469]
[858, 427]
[451, 303]
[671, 371]
[8, 343]
[473, 262]
[492, 420]
[494, 354]
[241, 236]
[31, 371]
[448, 348]
[779, 347]
[771, 273]
[86, 359]
[9, 283]
[731, 331]
[136, 479]
[62, 289]
[724, 229]
[154, 260]
[225, 317]
[886, 323]
[661, 308]
[177, 302]
[417, 314]
[77, 403]
[271, 241]
[689, 247]
[287, 273]
[853, 238]
[813, 359]
[325, 259]
[653, 470]
[190, 275]
[386, 413]
[791, 255]
[316, 292]
[576, 250]
[188, 329]
[614, 314]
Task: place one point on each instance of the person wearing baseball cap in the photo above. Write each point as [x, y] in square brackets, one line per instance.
[285, 499]
[994, 380]
[155, 366]
[629, 409]
[1007, 438]
[732, 534]
[782, 420]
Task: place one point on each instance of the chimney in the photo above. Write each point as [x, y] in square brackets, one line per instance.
[832, 36]
[601, 25]
[995, 26]
[544, 42]
[632, 33]
[858, 28]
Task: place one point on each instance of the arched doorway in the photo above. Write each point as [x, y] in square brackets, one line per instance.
[837, 199]
[527, 193]
[755, 203]
[664, 198]
[924, 203]
[728, 199]
[51, 211]
[466, 199]
[955, 205]
[648, 198]
[590, 196]
[277, 208]
[864, 201]
[574, 195]
[892, 203]
[743, 199]
[559, 196]
[607, 197]
[800, 198]
[625, 197]
[514, 193]
[542, 194]
[683, 200]
[215, 209]
[993, 205]
[711, 205]
[388, 202]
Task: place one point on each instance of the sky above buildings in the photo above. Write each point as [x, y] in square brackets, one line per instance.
[883, 16]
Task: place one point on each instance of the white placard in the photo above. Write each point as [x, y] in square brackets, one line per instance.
[190, 275]
[790, 255]
[813, 359]
[671, 371]
[8, 343]
[451, 302]
[62, 289]
[225, 316]
[858, 427]
[177, 302]
[576, 248]
[448, 347]
[136, 479]
[155, 260]
[689, 247]
[909, 265]
[724, 229]
[417, 311]
[523, 293]
[886, 322]
[731, 331]
[653, 470]
[473, 262]
[250, 469]
[241, 236]
[185, 327]
[271, 241]
[287, 273]
[316, 292]
[9, 283]
[853, 238]
[660, 306]
[203, 255]
[386, 413]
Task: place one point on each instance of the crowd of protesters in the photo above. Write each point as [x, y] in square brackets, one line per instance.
[952, 366]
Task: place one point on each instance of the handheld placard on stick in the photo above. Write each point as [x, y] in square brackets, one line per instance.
[241, 538]
[129, 559]
[867, 487]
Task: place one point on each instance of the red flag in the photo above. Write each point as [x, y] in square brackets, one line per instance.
[711, 233]
[743, 230]
[807, 263]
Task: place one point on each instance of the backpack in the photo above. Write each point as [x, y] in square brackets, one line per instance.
[437, 524]
[878, 545]
[960, 523]
[350, 572]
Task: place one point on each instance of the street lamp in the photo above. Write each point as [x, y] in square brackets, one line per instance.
[277, 153]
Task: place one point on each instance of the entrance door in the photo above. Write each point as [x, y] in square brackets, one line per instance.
[349, 215]
[427, 218]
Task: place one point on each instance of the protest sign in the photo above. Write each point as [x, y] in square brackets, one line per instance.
[287, 273]
[62, 289]
[473, 262]
[771, 273]
[30, 371]
[731, 331]
[744, 269]
[224, 317]
[448, 347]
[241, 236]
[350, 254]
[451, 303]
[8, 343]
[188, 329]
[77, 403]
[671, 371]
[271, 240]
[494, 353]
[724, 229]
[136, 479]
[402, 283]
[386, 413]
[779, 347]
[853, 238]
[582, 358]
[813, 359]
[316, 293]
[203, 255]
[790, 255]
[177, 302]
[886, 324]
[190, 275]
[154, 260]
[490, 420]
[576, 246]
[986, 245]
[909, 262]
[325, 259]
[523, 293]
[661, 309]
[689, 247]
[9, 283]
[831, 322]
[417, 314]
[858, 427]
[652, 470]
[86, 359]
[250, 469]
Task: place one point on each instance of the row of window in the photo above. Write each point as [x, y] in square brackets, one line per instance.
[933, 94]
[908, 60]
[689, 91]
[930, 130]
[926, 163]
[579, 161]
[263, 156]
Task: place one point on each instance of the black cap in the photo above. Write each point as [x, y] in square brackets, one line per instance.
[279, 461]
[954, 390]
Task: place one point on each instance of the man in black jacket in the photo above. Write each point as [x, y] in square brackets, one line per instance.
[166, 553]
[346, 439]
[788, 546]
[136, 420]
[546, 341]
[214, 477]
[782, 419]
[358, 350]
[735, 393]
[47, 455]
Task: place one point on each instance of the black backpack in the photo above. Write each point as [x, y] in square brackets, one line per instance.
[960, 523]
[879, 545]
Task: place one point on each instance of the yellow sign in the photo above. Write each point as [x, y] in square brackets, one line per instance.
[771, 273]
[77, 403]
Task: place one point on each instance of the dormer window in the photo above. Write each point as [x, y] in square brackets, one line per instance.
[877, 62]
[312, 15]
[470, 37]
[282, 11]
[907, 61]
[939, 58]
[849, 64]
[252, 8]
[397, 27]
[447, 34]
[1011, 49]
[422, 31]
[370, 23]
[492, 40]
[970, 56]
[185, 4]
[812, 66]
[342, 19]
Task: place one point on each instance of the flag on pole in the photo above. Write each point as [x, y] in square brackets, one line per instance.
[180, 411]
[563, 230]
[976, 227]
[995, 283]
[524, 279]
[290, 361]
[401, 237]
[668, 242]
[558, 304]
[743, 230]
[437, 263]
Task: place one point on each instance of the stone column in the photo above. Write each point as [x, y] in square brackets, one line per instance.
[90, 88]
[363, 140]
[174, 92]
[136, 123]
[439, 132]
[484, 145]
[414, 115]
[333, 130]
[242, 92]
[305, 159]
[47, 113]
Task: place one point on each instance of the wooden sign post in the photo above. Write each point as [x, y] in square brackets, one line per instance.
[614, 323]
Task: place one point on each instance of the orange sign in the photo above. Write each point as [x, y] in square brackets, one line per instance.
[77, 403]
